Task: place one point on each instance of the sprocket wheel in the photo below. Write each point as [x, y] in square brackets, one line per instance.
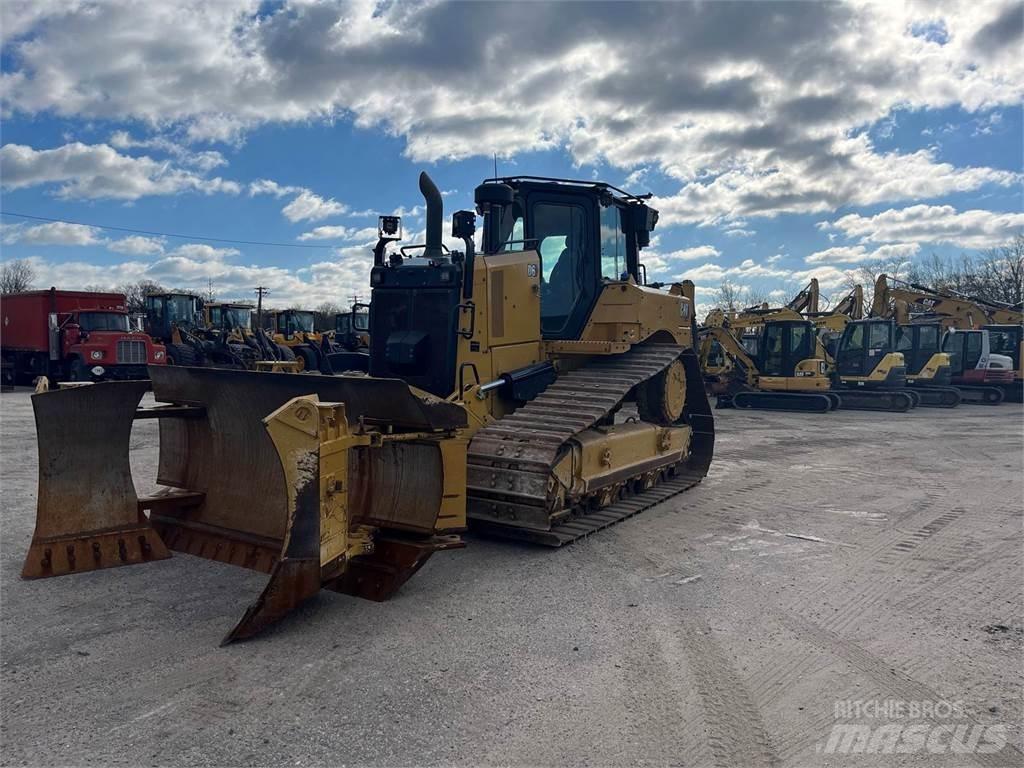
[662, 398]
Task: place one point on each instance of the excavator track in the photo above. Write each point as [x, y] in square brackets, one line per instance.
[938, 397]
[806, 402]
[510, 461]
[977, 395]
[893, 400]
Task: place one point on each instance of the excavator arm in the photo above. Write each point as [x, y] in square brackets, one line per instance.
[958, 311]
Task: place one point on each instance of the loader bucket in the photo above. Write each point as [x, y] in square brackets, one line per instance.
[87, 515]
[344, 482]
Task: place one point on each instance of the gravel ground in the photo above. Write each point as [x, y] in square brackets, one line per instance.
[826, 559]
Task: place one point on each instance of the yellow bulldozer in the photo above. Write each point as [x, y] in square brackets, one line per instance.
[537, 390]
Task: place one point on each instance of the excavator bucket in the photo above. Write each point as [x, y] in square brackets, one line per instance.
[343, 482]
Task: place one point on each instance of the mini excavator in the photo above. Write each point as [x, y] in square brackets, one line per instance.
[537, 389]
[948, 341]
[774, 359]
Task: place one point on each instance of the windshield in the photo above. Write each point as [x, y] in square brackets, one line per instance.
[294, 322]
[103, 321]
[179, 310]
[231, 317]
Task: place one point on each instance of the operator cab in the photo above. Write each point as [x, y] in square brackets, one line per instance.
[918, 342]
[586, 234]
[165, 311]
[293, 321]
[784, 344]
[863, 345]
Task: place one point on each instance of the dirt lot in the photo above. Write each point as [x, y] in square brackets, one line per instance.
[826, 561]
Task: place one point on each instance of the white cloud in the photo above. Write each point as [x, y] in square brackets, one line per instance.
[205, 160]
[99, 171]
[52, 233]
[271, 187]
[931, 224]
[194, 266]
[137, 245]
[308, 206]
[327, 233]
[741, 104]
[692, 254]
[857, 254]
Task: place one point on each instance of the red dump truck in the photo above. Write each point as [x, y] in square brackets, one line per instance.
[72, 336]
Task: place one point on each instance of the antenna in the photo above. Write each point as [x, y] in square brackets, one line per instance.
[495, 165]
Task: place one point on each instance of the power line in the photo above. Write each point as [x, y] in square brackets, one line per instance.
[164, 234]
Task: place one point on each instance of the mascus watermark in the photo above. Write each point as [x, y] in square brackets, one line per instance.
[945, 729]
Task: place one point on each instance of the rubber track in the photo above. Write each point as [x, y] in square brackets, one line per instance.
[894, 401]
[517, 453]
[806, 402]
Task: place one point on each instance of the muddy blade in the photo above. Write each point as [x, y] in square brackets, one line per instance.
[87, 514]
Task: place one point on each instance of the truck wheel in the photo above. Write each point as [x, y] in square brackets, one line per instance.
[287, 355]
[78, 372]
[181, 354]
[310, 361]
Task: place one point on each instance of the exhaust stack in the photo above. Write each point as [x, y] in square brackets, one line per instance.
[435, 215]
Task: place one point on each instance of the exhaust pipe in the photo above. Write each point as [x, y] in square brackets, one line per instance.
[435, 215]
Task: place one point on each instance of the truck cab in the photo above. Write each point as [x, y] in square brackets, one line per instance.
[75, 336]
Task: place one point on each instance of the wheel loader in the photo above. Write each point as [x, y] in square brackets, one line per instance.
[536, 390]
[218, 335]
[293, 329]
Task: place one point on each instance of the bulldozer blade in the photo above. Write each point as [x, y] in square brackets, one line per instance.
[87, 514]
[394, 561]
[329, 523]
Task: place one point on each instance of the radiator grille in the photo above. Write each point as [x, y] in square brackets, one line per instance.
[131, 352]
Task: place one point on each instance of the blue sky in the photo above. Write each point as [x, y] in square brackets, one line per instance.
[782, 141]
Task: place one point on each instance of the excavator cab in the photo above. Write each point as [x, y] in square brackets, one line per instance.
[919, 344]
[784, 345]
[866, 355]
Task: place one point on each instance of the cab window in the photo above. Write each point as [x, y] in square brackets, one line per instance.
[560, 235]
[929, 338]
[855, 338]
[613, 246]
[879, 336]
[904, 340]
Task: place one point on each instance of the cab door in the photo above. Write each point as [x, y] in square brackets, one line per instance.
[564, 228]
[851, 354]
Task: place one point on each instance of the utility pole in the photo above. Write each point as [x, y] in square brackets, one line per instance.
[260, 293]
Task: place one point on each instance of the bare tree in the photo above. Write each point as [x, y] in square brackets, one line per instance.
[996, 274]
[733, 298]
[16, 276]
[727, 295]
[1000, 272]
[324, 315]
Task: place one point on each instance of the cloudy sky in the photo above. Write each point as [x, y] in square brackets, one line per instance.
[781, 140]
